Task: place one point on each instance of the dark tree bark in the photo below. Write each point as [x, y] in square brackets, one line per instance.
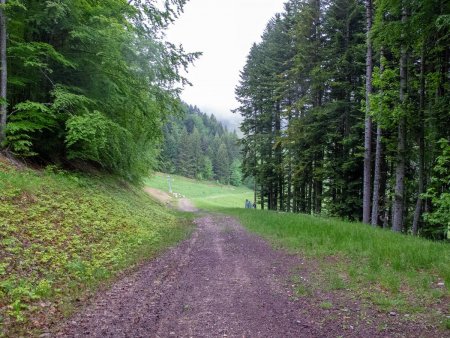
[279, 159]
[376, 178]
[3, 72]
[421, 183]
[399, 198]
[377, 170]
[368, 119]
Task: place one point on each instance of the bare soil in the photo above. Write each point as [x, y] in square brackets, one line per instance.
[225, 282]
[185, 205]
[159, 195]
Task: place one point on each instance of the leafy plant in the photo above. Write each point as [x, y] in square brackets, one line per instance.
[439, 192]
[62, 234]
[28, 119]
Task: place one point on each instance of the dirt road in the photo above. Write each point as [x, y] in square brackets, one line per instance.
[224, 282]
[221, 282]
[182, 204]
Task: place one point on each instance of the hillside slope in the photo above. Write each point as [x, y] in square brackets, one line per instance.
[62, 234]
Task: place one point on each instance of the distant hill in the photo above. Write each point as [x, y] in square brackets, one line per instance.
[197, 145]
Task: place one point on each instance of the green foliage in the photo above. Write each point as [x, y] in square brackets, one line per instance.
[208, 172]
[62, 234]
[38, 55]
[236, 175]
[222, 165]
[439, 193]
[65, 100]
[103, 76]
[28, 119]
[192, 143]
[86, 136]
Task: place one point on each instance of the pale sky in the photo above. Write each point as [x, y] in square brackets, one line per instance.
[224, 30]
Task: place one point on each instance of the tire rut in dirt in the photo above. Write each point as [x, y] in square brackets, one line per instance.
[222, 281]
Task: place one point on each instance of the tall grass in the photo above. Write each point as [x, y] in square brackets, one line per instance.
[317, 236]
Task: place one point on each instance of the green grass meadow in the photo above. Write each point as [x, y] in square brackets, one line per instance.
[391, 271]
[205, 194]
[63, 235]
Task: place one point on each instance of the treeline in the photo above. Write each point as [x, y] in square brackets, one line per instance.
[198, 146]
[88, 80]
[347, 101]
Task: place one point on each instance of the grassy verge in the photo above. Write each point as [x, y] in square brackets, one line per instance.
[391, 271]
[388, 271]
[63, 234]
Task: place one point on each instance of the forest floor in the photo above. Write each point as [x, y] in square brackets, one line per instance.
[227, 282]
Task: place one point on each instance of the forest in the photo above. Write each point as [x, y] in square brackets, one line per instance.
[89, 81]
[346, 112]
[122, 204]
[345, 103]
[198, 146]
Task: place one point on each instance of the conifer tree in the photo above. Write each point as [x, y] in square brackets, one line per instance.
[300, 96]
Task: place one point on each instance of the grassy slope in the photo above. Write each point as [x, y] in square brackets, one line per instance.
[388, 270]
[204, 194]
[62, 234]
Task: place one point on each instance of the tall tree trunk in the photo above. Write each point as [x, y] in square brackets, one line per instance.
[279, 200]
[295, 196]
[377, 171]
[399, 198]
[255, 160]
[3, 72]
[376, 177]
[289, 174]
[262, 197]
[421, 183]
[368, 119]
[289, 184]
[384, 199]
[254, 190]
[309, 200]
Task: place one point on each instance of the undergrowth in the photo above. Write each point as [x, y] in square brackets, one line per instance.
[62, 234]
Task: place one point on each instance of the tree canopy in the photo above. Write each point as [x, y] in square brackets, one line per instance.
[91, 80]
[324, 69]
[199, 146]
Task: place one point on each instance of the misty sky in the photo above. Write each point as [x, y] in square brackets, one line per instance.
[224, 30]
